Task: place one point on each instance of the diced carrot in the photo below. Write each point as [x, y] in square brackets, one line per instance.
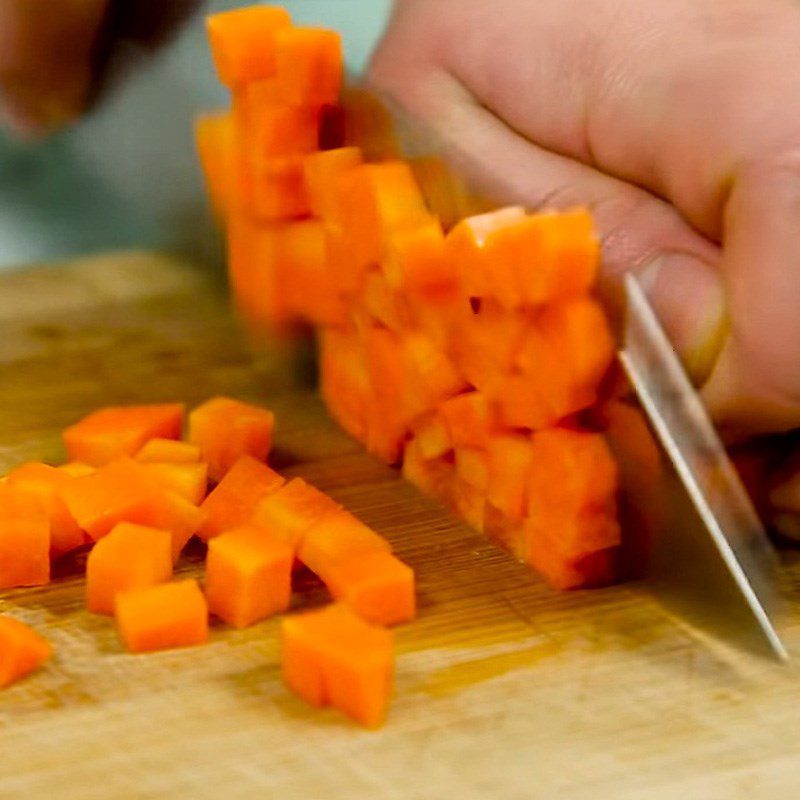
[227, 429]
[322, 170]
[273, 130]
[433, 438]
[467, 419]
[596, 569]
[189, 481]
[163, 616]
[242, 42]
[287, 514]
[279, 190]
[76, 469]
[232, 503]
[22, 650]
[46, 482]
[509, 462]
[248, 576]
[376, 585]
[333, 657]
[434, 476]
[469, 503]
[336, 536]
[415, 259]
[431, 377]
[472, 467]
[376, 199]
[121, 431]
[124, 491]
[383, 303]
[169, 451]
[216, 148]
[309, 65]
[130, 557]
[24, 538]
[340, 261]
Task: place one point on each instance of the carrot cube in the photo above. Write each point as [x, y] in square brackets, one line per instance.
[242, 42]
[189, 481]
[130, 557]
[467, 419]
[337, 536]
[215, 140]
[232, 503]
[322, 170]
[333, 657]
[309, 65]
[120, 431]
[287, 514]
[76, 469]
[168, 451]
[415, 259]
[248, 576]
[278, 190]
[46, 482]
[24, 538]
[22, 650]
[161, 617]
[376, 585]
[227, 429]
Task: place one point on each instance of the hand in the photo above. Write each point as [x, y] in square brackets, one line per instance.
[675, 121]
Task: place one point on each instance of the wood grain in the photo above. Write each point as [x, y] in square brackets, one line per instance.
[504, 689]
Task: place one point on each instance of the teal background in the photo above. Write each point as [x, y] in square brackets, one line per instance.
[126, 176]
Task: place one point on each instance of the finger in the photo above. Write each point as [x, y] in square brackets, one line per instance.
[46, 60]
[638, 231]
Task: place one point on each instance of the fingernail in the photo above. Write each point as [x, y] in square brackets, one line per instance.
[688, 297]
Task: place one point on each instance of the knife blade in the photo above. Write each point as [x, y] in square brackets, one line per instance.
[702, 548]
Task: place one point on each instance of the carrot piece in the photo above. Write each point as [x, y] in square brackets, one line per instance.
[242, 42]
[384, 304]
[279, 190]
[376, 585]
[472, 467]
[433, 438]
[333, 657]
[289, 512]
[431, 376]
[124, 491]
[216, 148]
[376, 199]
[467, 419]
[434, 476]
[189, 481]
[593, 570]
[76, 469]
[322, 171]
[22, 650]
[309, 65]
[234, 500]
[46, 482]
[130, 557]
[227, 429]
[274, 130]
[168, 451]
[469, 503]
[119, 431]
[163, 616]
[24, 538]
[465, 245]
[509, 462]
[336, 536]
[248, 576]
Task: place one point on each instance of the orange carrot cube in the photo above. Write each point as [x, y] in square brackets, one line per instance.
[24, 538]
[130, 557]
[215, 140]
[242, 42]
[168, 451]
[161, 617]
[76, 469]
[227, 429]
[46, 482]
[333, 657]
[248, 576]
[309, 65]
[322, 171]
[189, 481]
[120, 431]
[232, 503]
[22, 650]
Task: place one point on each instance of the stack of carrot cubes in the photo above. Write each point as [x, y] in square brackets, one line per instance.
[471, 351]
[135, 493]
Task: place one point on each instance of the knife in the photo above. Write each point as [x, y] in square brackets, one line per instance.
[697, 539]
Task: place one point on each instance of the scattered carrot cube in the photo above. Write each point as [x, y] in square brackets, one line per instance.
[169, 451]
[321, 171]
[120, 431]
[130, 557]
[226, 429]
[24, 538]
[242, 42]
[46, 482]
[22, 650]
[161, 617]
[189, 481]
[248, 576]
[333, 657]
[309, 65]
[376, 585]
[232, 503]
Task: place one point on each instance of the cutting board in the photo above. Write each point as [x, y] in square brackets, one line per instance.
[504, 688]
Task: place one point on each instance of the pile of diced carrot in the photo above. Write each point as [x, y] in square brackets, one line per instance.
[468, 351]
[134, 493]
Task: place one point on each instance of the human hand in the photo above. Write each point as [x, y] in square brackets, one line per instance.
[674, 121]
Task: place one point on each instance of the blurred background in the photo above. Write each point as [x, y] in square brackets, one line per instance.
[126, 176]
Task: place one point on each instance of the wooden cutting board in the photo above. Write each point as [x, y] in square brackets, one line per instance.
[504, 688]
